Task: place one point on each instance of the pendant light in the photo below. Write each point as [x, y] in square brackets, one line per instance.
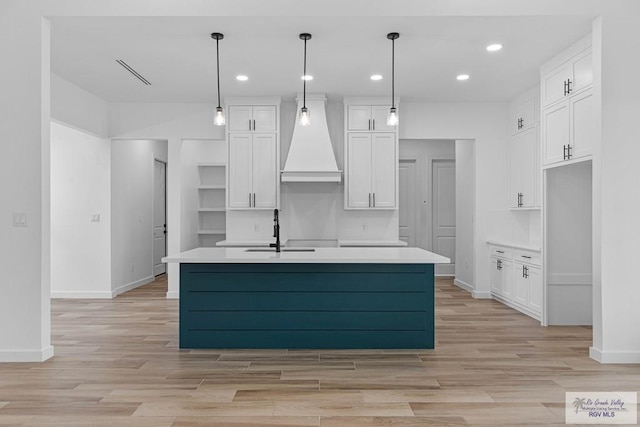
[305, 116]
[392, 117]
[218, 119]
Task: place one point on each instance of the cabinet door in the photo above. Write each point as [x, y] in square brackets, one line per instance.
[520, 284]
[384, 166]
[516, 159]
[239, 118]
[359, 117]
[240, 170]
[495, 276]
[582, 71]
[528, 166]
[379, 115]
[528, 112]
[555, 132]
[535, 290]
[553, 85]
[582, 130]
[265, 118]
[507, 278]
[265, 171]
[359, 170]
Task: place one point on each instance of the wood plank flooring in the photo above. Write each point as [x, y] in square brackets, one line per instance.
[117, 364]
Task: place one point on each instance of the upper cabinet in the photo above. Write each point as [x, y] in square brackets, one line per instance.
[524, 151]
[253, 118]
[567, 105]
[368, 118]
[371, 156]
[253, 140]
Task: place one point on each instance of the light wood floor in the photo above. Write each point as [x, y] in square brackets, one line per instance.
[117, 364]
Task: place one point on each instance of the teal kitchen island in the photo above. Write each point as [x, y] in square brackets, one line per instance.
[323, 298]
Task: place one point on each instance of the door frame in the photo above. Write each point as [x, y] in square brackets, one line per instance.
[418, 194]
[155, 159]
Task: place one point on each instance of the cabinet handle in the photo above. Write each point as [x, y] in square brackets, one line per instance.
[525, 256]
[254, 200]
[526, 272]
[373, 121]
[569, 88]
[499, 265]
[369, 199]
[254, 124]
[249, 199]
[369, 124]
[565, 88]
[500, 252]
[569, 151]
[374, 200]
[564, 152]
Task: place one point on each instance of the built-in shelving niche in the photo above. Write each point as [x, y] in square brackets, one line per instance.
[211, 203]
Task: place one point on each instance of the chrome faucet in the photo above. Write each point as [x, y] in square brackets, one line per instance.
[276, 231]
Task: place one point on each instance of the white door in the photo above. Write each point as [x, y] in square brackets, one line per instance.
[555, 132]
[159, 217]
[240, 191]
[265, 170]
[383, 156]
[444, 213]
[407, 201]
[240, 118]
[359, 170]
[359, 117]
[264, 118]
[379, 115]
[582, 128]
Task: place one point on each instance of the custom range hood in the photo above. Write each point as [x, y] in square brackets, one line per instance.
[311, 157]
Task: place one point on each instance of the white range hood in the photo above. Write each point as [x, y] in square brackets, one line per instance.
[311, 157]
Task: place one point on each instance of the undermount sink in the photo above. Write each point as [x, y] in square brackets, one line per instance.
[282, 250]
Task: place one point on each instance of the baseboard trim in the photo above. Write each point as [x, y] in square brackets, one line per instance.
[614, 357]
[82, 295]
[482, 295]
[467, 287]
[10, 356]
[132, 285]
[173, 295]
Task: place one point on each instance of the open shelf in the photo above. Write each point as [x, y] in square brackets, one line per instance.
[211, 209]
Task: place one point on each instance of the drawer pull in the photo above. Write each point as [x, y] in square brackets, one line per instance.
[500, 252]
[526, 256]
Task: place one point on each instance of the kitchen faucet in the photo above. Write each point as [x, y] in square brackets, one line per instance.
[276, 231]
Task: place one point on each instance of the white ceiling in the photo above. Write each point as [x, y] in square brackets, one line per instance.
[177, 55]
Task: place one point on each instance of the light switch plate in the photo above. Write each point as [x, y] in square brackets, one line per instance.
[19, 219]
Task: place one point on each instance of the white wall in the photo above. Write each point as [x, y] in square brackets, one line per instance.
[465, 212]
[486, 123]
[132, 164]
[78, 108]
[80, 189]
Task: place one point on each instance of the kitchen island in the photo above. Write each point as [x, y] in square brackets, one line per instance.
[307, 298]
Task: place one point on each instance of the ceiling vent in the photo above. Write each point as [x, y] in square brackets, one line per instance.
[134, 72]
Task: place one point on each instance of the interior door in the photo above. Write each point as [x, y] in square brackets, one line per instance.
[265, 170]
[407, 200]
[159, 217]
[444, 213]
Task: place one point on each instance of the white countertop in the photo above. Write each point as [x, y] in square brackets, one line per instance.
[371, 243]
[514, 245]
[320, 256]
[245, 243]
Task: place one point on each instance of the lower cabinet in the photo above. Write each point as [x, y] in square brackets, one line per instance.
[516, 279]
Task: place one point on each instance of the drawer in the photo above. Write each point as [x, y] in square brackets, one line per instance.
[501, 251]
[528, 257]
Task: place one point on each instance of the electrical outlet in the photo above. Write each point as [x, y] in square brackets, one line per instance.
[95, 218]
[19, 219]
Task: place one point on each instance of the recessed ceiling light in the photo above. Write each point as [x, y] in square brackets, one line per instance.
[242, 78]
[307, 77]
[462, 77]
[376, 77]
[494, 47]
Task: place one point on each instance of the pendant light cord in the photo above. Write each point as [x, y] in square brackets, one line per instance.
[304, 77]
[218, 69]
[393, 72]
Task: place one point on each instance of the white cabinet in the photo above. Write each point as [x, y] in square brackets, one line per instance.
[567, 106]
[371, 170]
[253, 176]
[368, 118]
[568, 78]
[524, 111]
[524, 169]
[516, 278]
[253, 118]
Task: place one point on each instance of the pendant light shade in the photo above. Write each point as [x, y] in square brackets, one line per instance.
[305, 115]
[392, 117]
[218, 119]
